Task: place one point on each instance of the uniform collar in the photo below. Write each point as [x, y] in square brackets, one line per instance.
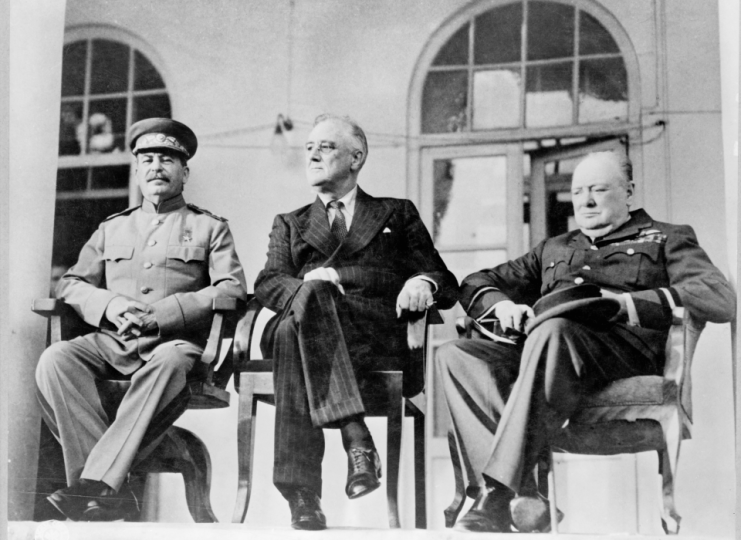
[169, 205]
[639, 219]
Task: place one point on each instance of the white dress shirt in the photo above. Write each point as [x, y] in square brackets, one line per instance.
[348, 209]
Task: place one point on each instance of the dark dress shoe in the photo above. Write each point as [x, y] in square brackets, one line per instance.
[489, 513]
[92, 500]
[532, 513]
[306, 510]
[363, 472]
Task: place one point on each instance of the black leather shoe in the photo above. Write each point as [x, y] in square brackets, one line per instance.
[306, 510]
[532, 513]
[489, 513]
[92, 500]
[363, 472]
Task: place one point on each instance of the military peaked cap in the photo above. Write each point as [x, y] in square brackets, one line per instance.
[153, 133]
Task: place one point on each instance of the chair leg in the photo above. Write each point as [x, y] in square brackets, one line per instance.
[196, 470]
[452, 511]
[668, 461]
[552, 494]
[395, 418]
[420, 482]
[245, 445]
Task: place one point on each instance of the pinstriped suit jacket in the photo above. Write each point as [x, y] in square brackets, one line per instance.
[387, 244]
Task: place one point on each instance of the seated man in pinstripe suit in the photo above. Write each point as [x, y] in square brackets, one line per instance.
[340, 274]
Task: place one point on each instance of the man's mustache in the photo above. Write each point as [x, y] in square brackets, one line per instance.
[158, 177]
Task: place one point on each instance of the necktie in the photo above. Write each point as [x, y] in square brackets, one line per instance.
[339, 226]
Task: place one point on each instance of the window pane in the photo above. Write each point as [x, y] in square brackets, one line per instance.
[146, 76]
[470, 201]
[497, 35]
[110, 68]
[593, 38]
[444, 102]
[550, 30]
[464, 263]
[548, 101]
[107, 125]
[152, 106]
[496, 98]
[455, 51]
[73, 68]
[603, 90]
[111, 177]
[70, 135]
[71, 179]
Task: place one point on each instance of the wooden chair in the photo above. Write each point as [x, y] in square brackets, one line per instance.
[179, 450]
[382, 396]
[628, 416]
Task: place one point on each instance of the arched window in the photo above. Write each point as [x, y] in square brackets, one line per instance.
[525, 64]
[108, 83]
[106, 86]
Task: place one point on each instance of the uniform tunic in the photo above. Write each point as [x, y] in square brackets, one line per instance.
[174, 257]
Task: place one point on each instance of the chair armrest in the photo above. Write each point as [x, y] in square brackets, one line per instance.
[224, 304]
[222, 308]
[46, 307]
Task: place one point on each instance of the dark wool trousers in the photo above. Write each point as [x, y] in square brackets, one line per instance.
[505, 400]
[315, 382]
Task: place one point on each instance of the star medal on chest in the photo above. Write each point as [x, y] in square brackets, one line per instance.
[187, 235]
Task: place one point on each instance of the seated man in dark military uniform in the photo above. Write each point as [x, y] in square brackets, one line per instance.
[504, 400]
[146, 279]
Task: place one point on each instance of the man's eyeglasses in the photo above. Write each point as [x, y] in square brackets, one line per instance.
[324, 148]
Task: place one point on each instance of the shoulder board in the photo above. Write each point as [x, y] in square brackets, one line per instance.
[124, 213]
[202, 211]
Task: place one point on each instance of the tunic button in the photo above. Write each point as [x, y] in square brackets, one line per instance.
[151, 243]
[586, 267]
[595, 248]
[552, 264]
[147, 265]
[631, 251]
[156, 221]
[146, 290]
[579, 281]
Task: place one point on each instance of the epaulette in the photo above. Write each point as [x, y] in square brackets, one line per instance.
[202, 211]
[124, 213]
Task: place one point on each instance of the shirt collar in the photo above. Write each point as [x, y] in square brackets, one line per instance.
[169, 205]
[348, 200]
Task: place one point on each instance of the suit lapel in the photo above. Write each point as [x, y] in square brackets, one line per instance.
[370, 215]
[314, 229]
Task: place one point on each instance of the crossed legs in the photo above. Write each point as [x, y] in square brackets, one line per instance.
[505, 401]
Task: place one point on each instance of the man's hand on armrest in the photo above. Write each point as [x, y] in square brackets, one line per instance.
[416, 295]
[512, 315]
[325, 274]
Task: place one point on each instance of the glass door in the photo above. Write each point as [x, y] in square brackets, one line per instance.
[472, 204]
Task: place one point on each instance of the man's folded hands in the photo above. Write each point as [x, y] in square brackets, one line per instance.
[132, 319]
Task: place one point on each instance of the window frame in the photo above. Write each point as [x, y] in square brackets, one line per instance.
[89, 161]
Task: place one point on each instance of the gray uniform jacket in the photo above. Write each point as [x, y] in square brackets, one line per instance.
[174, 257]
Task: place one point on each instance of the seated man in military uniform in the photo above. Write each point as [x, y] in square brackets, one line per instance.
[146, 280]
[505, 399]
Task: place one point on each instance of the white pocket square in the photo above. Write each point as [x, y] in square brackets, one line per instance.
[387, 230]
